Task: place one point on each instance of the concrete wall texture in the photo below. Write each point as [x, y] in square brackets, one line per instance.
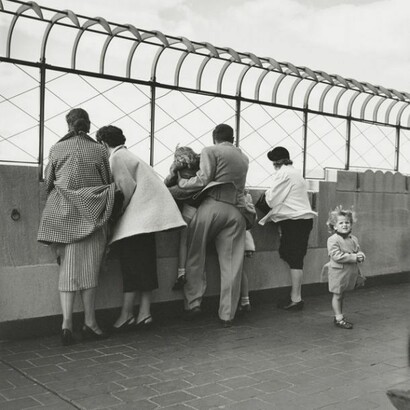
[29, 273]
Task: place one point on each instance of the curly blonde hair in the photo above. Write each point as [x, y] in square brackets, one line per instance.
[186, 157]
[339, 211]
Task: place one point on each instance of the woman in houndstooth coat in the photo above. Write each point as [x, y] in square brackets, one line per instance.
[79, 203]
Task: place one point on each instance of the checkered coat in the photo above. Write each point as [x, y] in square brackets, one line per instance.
[80, 190]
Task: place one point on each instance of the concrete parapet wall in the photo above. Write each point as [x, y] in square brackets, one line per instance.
[29, 273]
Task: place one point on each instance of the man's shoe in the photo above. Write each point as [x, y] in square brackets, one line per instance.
[192, 314]
[287, 304]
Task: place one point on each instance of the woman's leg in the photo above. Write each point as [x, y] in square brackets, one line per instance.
[88, 297]
[67, 304]
[296, 276]
[127, 310]
[145, 306]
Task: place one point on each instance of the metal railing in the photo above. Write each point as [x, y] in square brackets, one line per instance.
[163, 90]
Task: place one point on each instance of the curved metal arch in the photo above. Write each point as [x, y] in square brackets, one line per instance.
[377, 108]
[130, 28]
[389, 109]
[323, 96]
[276, 87]
[235, 58]
[255, 62]
[190, 49]
[201, 69]
[364, 105]
[274, 66]
[134, 47]
[58, 16]
[89, 23]
[308, 93]
[31, 5]
[293, 89]
[351, 102]
[400, 114]
[337, 100]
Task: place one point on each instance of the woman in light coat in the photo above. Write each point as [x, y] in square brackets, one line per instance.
[79, 204]
[148, 208]
[290, 208]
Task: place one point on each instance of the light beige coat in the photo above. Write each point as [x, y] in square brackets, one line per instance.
[148, 205]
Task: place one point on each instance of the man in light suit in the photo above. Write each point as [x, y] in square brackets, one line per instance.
[222, 175]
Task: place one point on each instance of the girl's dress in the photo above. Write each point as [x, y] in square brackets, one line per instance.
[343, 270]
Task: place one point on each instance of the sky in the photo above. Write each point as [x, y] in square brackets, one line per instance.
[367, 40]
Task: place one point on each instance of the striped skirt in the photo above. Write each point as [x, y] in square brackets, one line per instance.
[80, 262]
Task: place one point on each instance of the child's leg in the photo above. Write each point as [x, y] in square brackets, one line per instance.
[244, 304]
[337, 305]
[188, 213]
[337, 300]
[183, 249]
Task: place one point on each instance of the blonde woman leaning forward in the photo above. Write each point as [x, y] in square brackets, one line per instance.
[79, 203]
[148, 208]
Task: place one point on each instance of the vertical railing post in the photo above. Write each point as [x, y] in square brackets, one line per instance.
[42, 118]
[305, 134]
[348, 142]
[152, 131]
[238, 120]
[397, 149]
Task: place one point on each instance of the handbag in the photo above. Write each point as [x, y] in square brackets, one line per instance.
[249, 212]
[262, 205]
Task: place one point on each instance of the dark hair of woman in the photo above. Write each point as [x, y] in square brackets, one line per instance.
[78, 120]
[111, 135]
[281, 162]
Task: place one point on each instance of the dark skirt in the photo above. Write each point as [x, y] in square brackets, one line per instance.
[294, 241]
[138, 261]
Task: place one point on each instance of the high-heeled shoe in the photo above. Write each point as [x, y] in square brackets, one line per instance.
[88, 333]
[144, 323]
[67, 337]
[128, 325]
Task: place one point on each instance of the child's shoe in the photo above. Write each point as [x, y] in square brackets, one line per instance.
[343, 323]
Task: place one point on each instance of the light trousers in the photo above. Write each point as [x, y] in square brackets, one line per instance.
[224, 224]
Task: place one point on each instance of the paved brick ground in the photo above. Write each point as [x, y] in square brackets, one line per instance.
[269, 359]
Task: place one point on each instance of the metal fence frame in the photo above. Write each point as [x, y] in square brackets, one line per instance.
[299, 75]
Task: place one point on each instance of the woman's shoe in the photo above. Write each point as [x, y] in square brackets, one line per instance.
[88, 333]
[128, 325]
[179, 283]
[144, 323]
[287, 304]
[66, 337]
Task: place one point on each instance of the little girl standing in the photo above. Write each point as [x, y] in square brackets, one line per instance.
[345, 255]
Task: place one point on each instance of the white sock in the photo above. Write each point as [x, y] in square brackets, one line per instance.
[244, 300]
[339, 318]
[181, 272]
